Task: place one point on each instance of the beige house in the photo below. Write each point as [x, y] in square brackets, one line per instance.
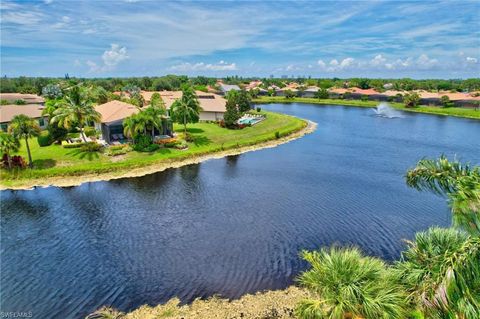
[111, 122]
[213, 105]
[7, 112]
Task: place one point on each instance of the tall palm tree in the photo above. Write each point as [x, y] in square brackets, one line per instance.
[441, 272]
[186, 109]
[345, 284]
[459, 182]
[8, 144]
[75, 109]
[25, 127]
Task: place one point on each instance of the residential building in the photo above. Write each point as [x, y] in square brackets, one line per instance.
[7, 112]
[27, 98]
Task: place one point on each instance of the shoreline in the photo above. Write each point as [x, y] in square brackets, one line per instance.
[263, 304]
[69, 181]
[421, 109]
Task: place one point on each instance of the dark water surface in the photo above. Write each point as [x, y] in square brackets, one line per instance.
[227, 226]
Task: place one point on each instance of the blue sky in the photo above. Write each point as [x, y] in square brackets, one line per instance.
[321, 39]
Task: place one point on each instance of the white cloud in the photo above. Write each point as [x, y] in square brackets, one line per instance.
[346, 63]
[321, 64]
[378, 60]
[471, 60]
[110, 58]
[200, 66]
[424, 62]
[115, 55]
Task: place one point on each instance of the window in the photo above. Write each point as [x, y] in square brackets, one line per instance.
[4, 127]
[41, 121]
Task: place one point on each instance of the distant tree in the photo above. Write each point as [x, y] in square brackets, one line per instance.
[75, 109]
[137, 99]
[411, 99]
[254, 93]
[24, 127]
[156, 101]
[272, 92]
[232, 114]
[289, 94]
[186, 109]
[244, 101]
[446, 101]
[345, 284]
[8, 144]
[322, 94]
[52, 91]
[131, 89]
[101, 95]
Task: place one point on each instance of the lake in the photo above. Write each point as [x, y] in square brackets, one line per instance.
[227, 226]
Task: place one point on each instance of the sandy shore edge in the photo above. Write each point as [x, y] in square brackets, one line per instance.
[69, 181]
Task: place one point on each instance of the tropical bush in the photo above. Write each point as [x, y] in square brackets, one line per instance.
[259, 109]
[91, 147]
[72, 145]
[115, 150]
[20, 102]
[52, 91]
[346, 284]
[440, 270]
[16, 161]
[90, 131]
[277, 135]
[44, 139]
[411, 100]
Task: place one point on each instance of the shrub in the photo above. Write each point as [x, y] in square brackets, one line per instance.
[164, 141]
[118, 150]
[181, 145]
[71, 145]
[20, 102]
[277, 134]
[91, 147]
[44, 139]
[90, 131]
[364, 98]
[17, 161]
[73, 135]
[259, 109]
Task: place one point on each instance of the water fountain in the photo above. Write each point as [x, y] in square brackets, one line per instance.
[385, 110]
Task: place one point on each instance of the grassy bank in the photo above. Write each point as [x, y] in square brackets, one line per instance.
[450, 111]
[54, 161]
[271, 304]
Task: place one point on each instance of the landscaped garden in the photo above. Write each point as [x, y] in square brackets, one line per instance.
[55, 160]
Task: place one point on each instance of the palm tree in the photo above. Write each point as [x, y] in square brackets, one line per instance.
[25, 127]
[441, 272]
[8, 145]
[75, 109]
[186, 109]
[154, 116]
[459, 182]
[345, 284]
[133, 125]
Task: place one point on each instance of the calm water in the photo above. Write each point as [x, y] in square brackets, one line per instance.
[227, 226]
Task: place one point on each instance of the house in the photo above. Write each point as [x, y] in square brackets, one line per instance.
[213, 105]
[225, 88]
[27, 98]
[310, 91]
[7, 112]
[111, 122]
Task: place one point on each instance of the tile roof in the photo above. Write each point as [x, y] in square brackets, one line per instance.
[115, 110]
[7, 112]
[28, 98]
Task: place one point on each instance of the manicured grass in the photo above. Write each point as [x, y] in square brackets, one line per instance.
[54, 160]
[450, 111]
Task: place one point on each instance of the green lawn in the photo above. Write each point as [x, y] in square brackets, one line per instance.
[54, 160]
[450, 111]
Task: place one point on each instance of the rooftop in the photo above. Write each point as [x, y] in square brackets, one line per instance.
[115, 110]
[28, 98]
[7, 112]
